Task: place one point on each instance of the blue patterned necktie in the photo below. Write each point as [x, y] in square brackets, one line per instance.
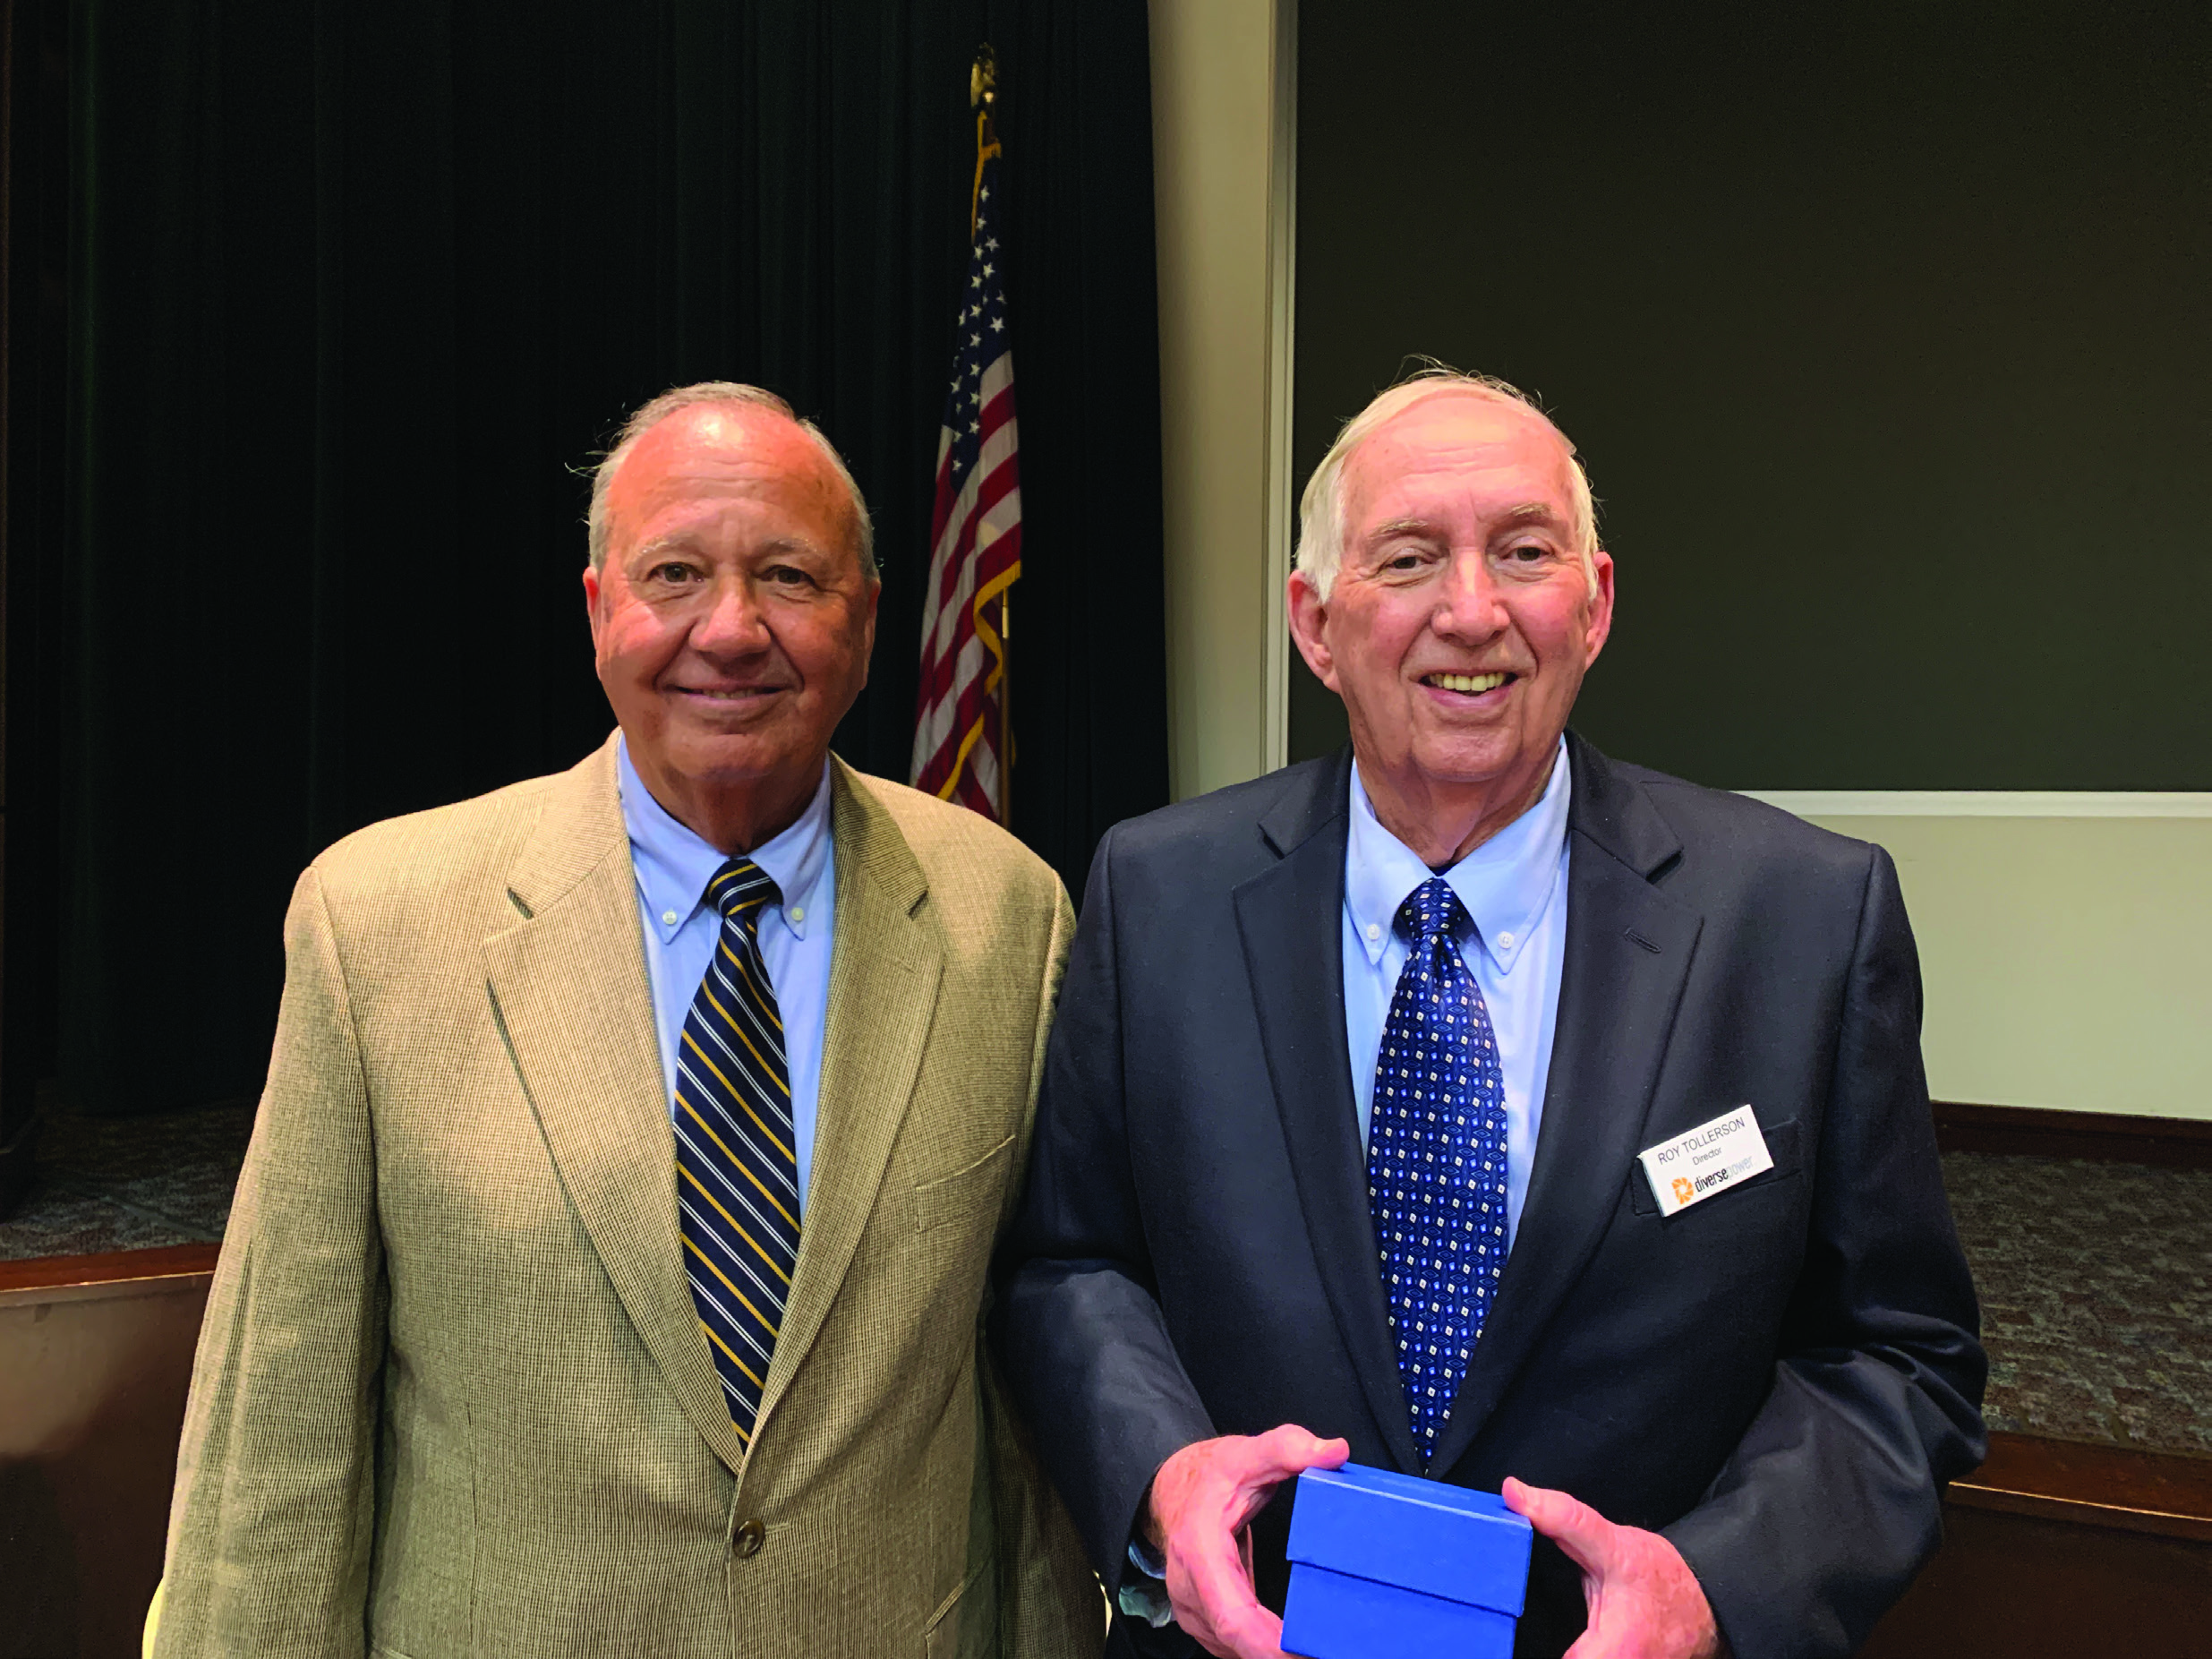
[1436, 1160]
[737, 1186]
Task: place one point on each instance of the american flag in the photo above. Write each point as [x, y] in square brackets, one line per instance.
[959, 734]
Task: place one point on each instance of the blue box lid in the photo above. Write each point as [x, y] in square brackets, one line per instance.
[1448, 1541]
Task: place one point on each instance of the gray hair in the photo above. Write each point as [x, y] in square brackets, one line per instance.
[1321, 527]
[722, 392]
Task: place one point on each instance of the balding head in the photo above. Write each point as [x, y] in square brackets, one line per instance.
[1321, 510]
[733, 395]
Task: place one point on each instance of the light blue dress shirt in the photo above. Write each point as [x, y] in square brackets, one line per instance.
[673, 867]
[1514, 887]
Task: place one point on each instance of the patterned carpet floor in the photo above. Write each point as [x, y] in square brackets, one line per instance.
[2096, 1279]
[129, 1183]
[2095, 1282]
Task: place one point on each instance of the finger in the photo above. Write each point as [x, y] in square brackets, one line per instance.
[1252, 1632]
[1261, 1637]
[1289, 1449]
[1206, 1567]
[1256, 1635]
[1220, 1602]
[1584, 1535]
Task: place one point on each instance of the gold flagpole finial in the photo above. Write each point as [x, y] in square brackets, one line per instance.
[983, 81]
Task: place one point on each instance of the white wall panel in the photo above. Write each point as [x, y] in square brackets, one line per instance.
[2066, 942]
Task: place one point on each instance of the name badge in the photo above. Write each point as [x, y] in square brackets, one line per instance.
[1711, 1159]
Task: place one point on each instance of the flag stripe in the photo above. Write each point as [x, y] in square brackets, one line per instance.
[975, 534]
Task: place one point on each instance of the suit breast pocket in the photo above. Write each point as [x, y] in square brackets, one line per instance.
[1781, 1146]
[967, 1196]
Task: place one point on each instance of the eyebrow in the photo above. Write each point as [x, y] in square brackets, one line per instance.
[1527, 512]
[1402, 526]
[682, 543]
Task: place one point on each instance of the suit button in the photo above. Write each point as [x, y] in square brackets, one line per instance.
[751, 1536]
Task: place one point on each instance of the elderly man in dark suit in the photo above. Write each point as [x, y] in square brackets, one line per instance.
[1380, 1085]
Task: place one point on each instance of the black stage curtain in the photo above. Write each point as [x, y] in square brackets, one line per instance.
[358, 293]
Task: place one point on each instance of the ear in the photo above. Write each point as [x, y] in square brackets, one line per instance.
[1308, 625]
[1600, 623]
[590, 604]
[874, 587]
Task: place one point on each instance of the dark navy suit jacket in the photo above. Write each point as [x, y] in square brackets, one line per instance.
[1779, 1377]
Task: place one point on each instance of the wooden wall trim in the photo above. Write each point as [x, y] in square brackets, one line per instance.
[2106, 1137]
[1987, 803]
[2109, 1486]
[117, 1268]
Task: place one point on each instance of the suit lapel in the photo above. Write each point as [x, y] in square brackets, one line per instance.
[568, 983]
[1294, 951]
[884, 974]
[1629, 951]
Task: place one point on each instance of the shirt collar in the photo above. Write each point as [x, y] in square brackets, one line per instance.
[674, 863]
[1506, 884]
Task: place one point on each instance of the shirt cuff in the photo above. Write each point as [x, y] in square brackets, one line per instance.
[1144, 1589]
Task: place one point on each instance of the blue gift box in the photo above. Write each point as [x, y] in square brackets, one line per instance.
[1385, 1565]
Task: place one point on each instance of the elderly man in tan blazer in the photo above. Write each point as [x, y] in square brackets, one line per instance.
[568, 1307]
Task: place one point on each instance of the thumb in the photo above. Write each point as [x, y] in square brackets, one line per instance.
[1289, 1449]
[1273, 1458]
[1584, 1536]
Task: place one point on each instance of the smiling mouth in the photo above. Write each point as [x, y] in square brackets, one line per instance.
[1469, 685]
[739, 695]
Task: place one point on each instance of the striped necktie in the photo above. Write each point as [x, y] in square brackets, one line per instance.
[736, 1174]
[1436, 1160]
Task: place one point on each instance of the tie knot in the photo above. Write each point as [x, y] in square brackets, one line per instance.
[740, 888]
[1429, 909]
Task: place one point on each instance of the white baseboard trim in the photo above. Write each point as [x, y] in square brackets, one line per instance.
[1987, 803]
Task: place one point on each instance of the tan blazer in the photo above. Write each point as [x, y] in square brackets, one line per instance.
[451, 1397]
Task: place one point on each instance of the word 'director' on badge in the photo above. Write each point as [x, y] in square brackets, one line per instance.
[1711, 1159]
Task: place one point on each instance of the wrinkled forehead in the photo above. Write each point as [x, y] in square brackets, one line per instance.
[701, 457]
[1458, 451]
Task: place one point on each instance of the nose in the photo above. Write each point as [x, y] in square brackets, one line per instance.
[1472, 606]
[731, 622]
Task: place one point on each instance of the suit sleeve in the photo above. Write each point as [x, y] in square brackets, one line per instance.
[1049, 1605]
[1832, 1497]
[270, 1525]
[1085, 1346]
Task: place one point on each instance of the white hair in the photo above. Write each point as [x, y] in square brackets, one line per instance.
[716, 392]
[1320, 509]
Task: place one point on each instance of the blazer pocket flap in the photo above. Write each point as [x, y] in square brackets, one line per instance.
[964, 1193]
[957, 1627]
[1781, 1146]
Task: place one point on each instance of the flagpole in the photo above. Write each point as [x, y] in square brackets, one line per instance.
[1006, 707]
[983, 99]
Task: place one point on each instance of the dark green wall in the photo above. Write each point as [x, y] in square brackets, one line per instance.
[1886, 332]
